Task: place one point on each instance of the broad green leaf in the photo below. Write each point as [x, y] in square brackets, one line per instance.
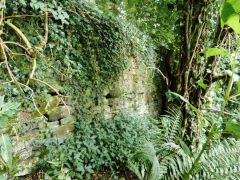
[23, 2]
[238, 85]
[186, 101]
[130, 3]
[229, 13]
[236, 77]
[201, 83]
[2, 177]
[184, 147]
[217, 51]
[6, 150]
[3, 121]
[1, 99]
[2, 6]
[233, 127]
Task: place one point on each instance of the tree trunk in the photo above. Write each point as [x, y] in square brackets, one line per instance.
[194, 36]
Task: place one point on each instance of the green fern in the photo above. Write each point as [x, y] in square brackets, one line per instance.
[170, 158]
[171, 125]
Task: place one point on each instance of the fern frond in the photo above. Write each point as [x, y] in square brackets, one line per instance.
[221, 160]
[147, 156]
[171, 160]
[172, 124]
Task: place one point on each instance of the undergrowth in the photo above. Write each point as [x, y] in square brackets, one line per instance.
[102, 144]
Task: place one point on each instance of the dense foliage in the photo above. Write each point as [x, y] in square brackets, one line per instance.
[103, 144]
[57, 54]
[85, 49]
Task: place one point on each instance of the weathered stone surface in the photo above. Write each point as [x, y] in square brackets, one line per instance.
[69, 119]
[58, 113]
[52, 103]
[64, 130]
[134, 91]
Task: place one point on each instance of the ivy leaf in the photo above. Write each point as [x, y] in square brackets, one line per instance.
[233, 127]
[217, 51]
[23, 2]
[201, 83]
[229, 14]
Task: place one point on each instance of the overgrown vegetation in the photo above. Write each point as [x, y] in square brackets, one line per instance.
[103, 144]
[170, 158]
[59, 62]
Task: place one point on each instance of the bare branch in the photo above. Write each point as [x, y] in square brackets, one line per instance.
[159, 71]
[23, 16]
[33, 100]
[56, 91]
[224, 112]
[44, 42]
[41, 44]
[8, 82]
[17, 44]
[20, 34]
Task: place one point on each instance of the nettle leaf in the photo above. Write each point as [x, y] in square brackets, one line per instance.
[217, 51]
[233, 127]
[229, 13]
[202, 84]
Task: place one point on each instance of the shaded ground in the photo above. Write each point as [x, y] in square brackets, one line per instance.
[106, 174]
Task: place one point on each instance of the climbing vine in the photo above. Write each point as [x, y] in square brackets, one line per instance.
[82, 49]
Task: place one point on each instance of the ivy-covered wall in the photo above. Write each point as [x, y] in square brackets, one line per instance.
[99, 64]
[86, 49]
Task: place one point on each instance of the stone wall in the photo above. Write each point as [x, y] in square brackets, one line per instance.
[133, 92]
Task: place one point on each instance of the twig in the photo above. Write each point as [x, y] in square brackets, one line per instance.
[186, 94]
[6, 63]
[6, 82]
[193, 55]
[20, 34]
[10, 53]
[56, 91]
[41, 44]
[17, 44]
[18, 54]
[224, 112]
[2, 161]
[44, 42]
[2, 11]
[23, 16]
[33, 70]
[159, 71]
[33, 100]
